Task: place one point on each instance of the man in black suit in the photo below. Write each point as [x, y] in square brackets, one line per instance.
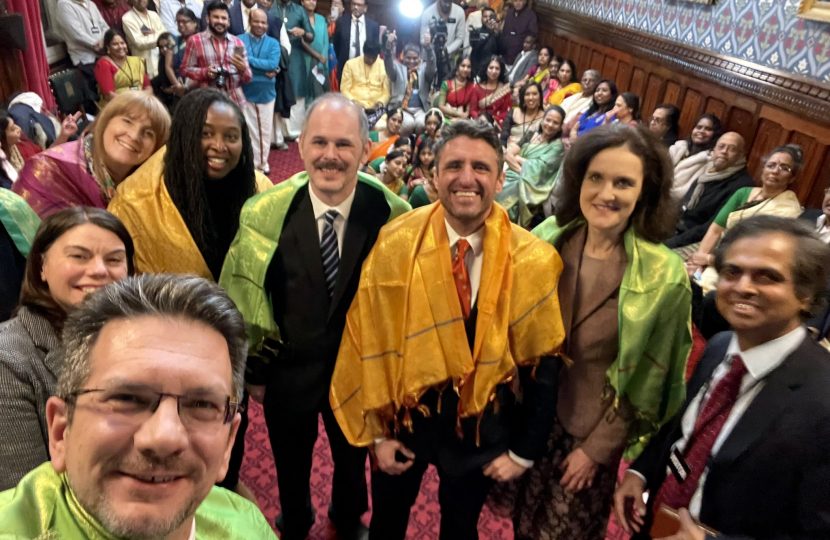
[350, 33]
[316, 229]
[427, 381]
[748, 454]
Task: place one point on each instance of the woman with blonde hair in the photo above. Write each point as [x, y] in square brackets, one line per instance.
[85, 172]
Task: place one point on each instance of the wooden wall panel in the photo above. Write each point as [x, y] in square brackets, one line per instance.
[609, 68]
[672, 93]
[716, 107]
[653, 94]
[638, 81]
[623, 79]
[690, 110]
[641, 64]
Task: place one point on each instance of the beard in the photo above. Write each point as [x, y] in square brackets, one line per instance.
[99, 505]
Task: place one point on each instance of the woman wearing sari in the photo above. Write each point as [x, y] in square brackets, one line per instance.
[15, 148]
[116, 72]
[316, 56]
[85, 172]
[533, 165]
[773, 198]
[526, 117]
[493, 95]
[604, 98]
[382, 141]
[457, 92]
[540, 73]
[566, 85]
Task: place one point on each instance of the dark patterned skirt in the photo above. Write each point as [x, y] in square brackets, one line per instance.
[542, 510]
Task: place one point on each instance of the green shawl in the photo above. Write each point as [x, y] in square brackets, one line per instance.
[19, 220]
[655, 331]
[525, 191]
[250, 254]
[43, 507]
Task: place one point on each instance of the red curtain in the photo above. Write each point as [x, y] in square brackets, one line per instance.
[33, 61]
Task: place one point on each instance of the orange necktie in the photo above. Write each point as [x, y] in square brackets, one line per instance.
[462, 278]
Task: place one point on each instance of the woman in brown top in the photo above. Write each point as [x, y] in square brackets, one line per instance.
[613, 210]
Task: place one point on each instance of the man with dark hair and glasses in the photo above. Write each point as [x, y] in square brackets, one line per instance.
[144, 420]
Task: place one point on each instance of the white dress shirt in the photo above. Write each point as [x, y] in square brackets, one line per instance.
[81, 26]
[760, 361]
[343, 209]
[360, 23]
[169, 8]
[823, 228]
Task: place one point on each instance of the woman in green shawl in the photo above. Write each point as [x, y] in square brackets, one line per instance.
[626, 306]
[315, 83]
[18, 225]
[533, 164]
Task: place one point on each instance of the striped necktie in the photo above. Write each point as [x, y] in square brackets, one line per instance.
[329, 251]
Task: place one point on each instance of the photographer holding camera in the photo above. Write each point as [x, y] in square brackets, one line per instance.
[448, 19]
[484, 41]
[216, 58]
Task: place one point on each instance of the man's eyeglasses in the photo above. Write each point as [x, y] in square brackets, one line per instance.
[772, 166]
[137, 405]
[656, 120]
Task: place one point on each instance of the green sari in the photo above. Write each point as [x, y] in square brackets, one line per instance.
[525, 191]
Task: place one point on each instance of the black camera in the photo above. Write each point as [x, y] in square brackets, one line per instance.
[222, 76]
[478, 36]
[438, 31]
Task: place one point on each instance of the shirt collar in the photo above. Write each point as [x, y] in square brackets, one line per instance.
[193, 530]
[821, 222]
[476, 239]
[320, 208]
[764, 358]
[359, 19]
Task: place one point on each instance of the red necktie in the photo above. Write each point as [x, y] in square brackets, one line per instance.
[462, 278]
[709, 423]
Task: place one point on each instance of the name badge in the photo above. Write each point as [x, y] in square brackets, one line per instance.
[95, 30]
[451, 21]
[134, 88]
[512, 33]
[678, 466]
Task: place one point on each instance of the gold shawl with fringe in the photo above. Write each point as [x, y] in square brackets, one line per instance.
[405, 332]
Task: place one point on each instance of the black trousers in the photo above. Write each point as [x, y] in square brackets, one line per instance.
[91, 97]
[461, 499]
[292, 438]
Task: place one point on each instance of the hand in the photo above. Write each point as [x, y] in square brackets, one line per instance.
[579, 471]
[688, 528]
[211, 72]
[256, 391]
[322, 59]
[503, 469]
[270, 74]
[99, 46]
[239, 63]
[427, 38]
[385, 456]
[69, 125]
[699, 258]
[179, 89]
[631, 487]
[392, 40]
[297, 32]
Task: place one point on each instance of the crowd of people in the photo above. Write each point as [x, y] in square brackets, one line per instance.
[490, 264]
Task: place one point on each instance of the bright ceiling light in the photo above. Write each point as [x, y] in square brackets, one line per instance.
[411, 8]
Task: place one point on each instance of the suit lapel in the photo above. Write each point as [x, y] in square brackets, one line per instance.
[366, 215]
[773, 398]
[304, 227]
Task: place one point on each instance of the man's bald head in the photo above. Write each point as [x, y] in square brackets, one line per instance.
[258, 21]
[729, 151]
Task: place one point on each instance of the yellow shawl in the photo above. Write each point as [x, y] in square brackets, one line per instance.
[405, 333]
[560, 95]
[163, 243]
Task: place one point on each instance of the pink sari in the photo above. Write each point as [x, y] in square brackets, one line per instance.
[59, 178]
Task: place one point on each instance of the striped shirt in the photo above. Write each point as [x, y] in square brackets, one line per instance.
[204, 51]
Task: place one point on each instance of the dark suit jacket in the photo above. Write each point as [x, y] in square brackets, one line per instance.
[771, 478]
[522, 427]
[310, 324]
[695, 222]
[341, 39]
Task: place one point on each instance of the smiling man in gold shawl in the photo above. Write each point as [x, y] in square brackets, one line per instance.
[449, 352]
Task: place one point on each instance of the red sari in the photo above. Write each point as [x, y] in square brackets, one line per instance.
[497, 107]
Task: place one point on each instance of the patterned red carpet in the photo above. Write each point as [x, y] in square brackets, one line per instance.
[284, 163]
